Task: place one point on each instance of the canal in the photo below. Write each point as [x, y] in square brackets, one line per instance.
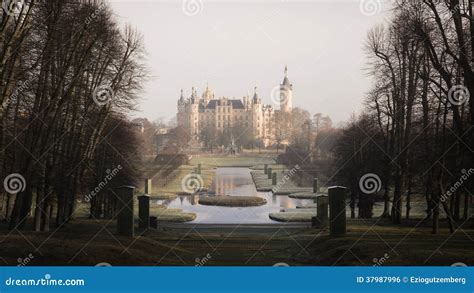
[234, 182]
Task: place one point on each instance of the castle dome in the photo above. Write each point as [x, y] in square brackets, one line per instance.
[208, 93]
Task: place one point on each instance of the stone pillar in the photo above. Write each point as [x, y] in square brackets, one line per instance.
[125, 223]
[147, 186]
[274, 179]
[154, 222]
[269, 173]
[337, 210]
[265, 169]
[321, 219]
[144, 211]
[315, 185]
[199, 168]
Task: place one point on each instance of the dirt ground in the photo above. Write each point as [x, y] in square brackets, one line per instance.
[367, 243]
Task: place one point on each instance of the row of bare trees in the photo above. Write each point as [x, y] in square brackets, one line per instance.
[416, 132]
[68, 76]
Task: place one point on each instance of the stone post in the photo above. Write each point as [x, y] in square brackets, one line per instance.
[199, 168]
[321, 219]
[147, 186]
[125, 225]
[274, 179]
[144, 211]
[315, 185]
[154, 222]
[337, 210]
[269, 173]
[265, 169]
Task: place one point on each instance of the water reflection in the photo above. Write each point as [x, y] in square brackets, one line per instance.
[234, 182]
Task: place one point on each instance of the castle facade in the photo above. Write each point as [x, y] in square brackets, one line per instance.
[197, 113]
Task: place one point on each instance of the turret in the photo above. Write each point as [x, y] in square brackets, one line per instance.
[286, 94]
[194, 97]
[208, 95]
[181, 98]
[255, 99]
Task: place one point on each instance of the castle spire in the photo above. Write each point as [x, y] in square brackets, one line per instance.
[181, 98]
[255, 96]
[286, 71]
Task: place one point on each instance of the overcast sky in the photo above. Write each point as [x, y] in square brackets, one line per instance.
[237, 45]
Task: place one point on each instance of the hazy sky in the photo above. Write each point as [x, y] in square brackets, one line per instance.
[237, 45]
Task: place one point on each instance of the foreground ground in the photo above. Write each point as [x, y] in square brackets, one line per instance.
[368, 243]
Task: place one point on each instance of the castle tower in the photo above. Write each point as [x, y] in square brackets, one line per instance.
[207, 96]
[286, 94]
[181, 110]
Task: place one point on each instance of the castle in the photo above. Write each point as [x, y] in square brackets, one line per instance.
[197, 113]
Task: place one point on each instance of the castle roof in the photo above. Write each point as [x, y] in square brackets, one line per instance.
[236, 104]
[286, 81]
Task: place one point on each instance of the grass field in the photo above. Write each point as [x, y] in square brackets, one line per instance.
[88, 242]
